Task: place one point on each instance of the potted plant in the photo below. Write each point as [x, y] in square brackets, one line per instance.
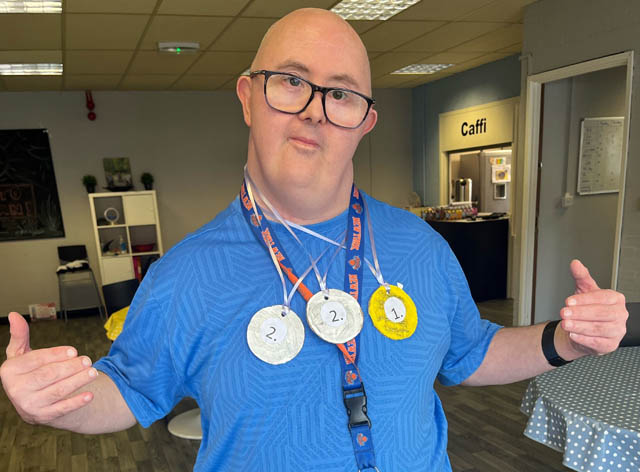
[89, 181]
[147, 180]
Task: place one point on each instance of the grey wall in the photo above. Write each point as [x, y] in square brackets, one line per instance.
[585, 230]
[497, 80]
[560, 33]
[195, 146]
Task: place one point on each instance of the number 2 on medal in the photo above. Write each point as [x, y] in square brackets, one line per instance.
[268, 335]
[334, 313]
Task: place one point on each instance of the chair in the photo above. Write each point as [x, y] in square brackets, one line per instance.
[77, 285]
[632, 338]
[119, 294]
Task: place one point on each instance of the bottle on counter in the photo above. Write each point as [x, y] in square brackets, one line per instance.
[122, 245]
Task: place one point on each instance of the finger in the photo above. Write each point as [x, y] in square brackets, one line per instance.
[595, 313]
[35, 359]
[51, 373]
[597, 297]
[62, 389]
[19, 342]
[596, 344]
[64, 407]
[582, 277]
[598, 329]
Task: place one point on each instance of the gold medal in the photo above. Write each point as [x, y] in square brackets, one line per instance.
[393, 314]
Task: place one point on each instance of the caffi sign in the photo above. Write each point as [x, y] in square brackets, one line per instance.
[480, 126]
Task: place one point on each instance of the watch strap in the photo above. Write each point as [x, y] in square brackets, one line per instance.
[549, 347]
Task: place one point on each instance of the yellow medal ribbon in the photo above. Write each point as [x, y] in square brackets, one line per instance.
[393, 314]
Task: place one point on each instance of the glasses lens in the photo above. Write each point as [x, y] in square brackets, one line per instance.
[287, 93]
[345, 108]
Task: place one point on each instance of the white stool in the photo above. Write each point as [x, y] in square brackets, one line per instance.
[186, 425]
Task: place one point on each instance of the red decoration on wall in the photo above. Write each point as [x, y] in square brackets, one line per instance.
[90, 105]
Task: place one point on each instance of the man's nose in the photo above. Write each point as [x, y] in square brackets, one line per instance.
[314, 111]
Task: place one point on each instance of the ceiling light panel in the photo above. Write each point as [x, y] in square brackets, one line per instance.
[371, 9]
[178, 47]
[30, 6]
[422, 69]
[30, 69]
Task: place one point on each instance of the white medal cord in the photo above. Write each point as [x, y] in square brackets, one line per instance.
[286, 297]
[274, 212]
[377, 273]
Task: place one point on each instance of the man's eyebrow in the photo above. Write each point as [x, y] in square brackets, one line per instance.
[299, 67]
[345, 78]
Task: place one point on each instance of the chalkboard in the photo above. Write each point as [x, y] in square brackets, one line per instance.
[29, 204]
[600, 155]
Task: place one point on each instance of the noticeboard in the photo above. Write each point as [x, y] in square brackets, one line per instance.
[600, 156]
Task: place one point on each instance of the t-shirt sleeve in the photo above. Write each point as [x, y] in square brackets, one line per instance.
[140, 361]
[470, 335]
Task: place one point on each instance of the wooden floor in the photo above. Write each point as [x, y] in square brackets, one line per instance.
[485, 424]
[38, 449]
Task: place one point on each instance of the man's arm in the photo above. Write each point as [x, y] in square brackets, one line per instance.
[593, 322]
[56, 387]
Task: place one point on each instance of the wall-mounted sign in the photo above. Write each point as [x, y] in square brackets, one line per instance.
[479, 126]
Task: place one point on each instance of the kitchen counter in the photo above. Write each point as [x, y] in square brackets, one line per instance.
[481, 247]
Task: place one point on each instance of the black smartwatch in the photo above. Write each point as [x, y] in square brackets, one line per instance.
[549, 347]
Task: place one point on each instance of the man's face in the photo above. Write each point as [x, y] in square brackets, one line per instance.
[305, 151]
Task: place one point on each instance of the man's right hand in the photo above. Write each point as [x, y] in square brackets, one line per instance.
[41, 383]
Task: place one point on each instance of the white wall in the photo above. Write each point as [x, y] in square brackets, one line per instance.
[195, 146]
[560, 33]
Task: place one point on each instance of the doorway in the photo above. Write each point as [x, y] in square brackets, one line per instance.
[577, 127]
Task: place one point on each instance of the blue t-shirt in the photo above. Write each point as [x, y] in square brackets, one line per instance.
[185, 335]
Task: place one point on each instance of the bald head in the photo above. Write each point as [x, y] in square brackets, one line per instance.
[311, 32]
[303, 161]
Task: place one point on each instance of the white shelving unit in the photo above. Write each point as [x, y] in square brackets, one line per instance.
[138, 226]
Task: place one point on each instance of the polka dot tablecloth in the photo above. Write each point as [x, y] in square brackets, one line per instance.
[590, 410]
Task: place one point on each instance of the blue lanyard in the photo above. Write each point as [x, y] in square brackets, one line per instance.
[353, 392]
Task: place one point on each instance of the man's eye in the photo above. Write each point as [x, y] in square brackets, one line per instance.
[294, 81]
[337, 94]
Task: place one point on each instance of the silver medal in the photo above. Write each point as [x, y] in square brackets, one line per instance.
[274, 338]
[336, 317]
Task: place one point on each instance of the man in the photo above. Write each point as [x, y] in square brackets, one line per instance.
[186, 333]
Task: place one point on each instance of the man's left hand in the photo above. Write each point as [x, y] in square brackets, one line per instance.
[595, 318]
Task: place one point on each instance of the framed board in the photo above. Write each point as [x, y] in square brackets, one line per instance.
[29, 204]
[600, 156]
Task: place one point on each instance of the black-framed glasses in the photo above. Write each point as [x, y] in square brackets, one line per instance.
[291, 94]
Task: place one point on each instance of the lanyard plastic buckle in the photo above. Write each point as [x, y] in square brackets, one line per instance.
[355, 401]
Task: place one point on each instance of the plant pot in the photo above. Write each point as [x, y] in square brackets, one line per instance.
[90, 188]
[148, 186]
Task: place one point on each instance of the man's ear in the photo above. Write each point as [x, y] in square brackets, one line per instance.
[243, 90]
[370, 121]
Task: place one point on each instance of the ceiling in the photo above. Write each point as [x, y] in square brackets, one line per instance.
[111, 45]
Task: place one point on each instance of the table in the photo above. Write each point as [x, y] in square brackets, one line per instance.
[590, 411]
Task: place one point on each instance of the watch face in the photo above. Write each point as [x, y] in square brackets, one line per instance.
[548, 345]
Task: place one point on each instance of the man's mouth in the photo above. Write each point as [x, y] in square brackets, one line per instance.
[307, 142]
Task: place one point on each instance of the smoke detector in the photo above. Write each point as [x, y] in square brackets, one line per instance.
[178, 47]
